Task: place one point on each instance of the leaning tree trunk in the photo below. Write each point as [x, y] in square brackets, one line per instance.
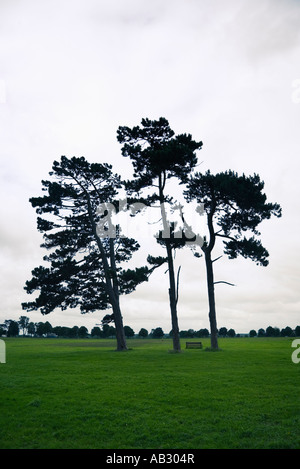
[115, 300]
[110, 283]
[211, 301]
[118, 320]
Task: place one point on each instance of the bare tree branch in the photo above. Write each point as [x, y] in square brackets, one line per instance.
[225, 236]
[217, 258]
[227, 283]
[177, 287]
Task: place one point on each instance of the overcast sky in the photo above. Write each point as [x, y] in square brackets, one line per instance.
[226, 71]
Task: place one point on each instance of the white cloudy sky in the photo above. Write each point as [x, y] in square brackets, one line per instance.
[226, 71]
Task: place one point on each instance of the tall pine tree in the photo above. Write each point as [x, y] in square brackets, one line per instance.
[157, 154]
[234, 205]
[86, 269]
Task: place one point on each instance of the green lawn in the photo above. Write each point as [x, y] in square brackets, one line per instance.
[82, 394]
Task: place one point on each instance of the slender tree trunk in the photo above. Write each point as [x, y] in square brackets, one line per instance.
[210, 275]
[172, 282]
[211, 300]
[118, 320]
[173, 301]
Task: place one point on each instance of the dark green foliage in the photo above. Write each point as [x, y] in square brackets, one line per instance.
[82, 332]
[286, 332]
[108, 331]
[249, 248]
[43, 328]
[222, 332]
[143, 332]
[157, 154]
[202, 333]
[96, 332]
[24, 323]
[129, 332]
[154, 149]
[272, 332]
[13, 328]
[129, 278]
[238, 204]
[157, 333]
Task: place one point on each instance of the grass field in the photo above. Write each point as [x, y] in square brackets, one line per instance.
[57, 393]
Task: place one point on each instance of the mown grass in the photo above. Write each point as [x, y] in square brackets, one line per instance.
[82, 394]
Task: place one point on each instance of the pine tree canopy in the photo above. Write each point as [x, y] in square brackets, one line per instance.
[155, 150]
[85, 271]
[238, 205]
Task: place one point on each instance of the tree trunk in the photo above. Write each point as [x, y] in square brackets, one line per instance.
[172, 283]
[211, 300]
[111, 284]
[118, 320]
[173, 301]
[115, 301]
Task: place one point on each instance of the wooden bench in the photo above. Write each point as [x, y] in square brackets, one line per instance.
[193, 345]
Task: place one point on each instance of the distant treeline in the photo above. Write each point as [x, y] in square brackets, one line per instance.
[11, 328]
